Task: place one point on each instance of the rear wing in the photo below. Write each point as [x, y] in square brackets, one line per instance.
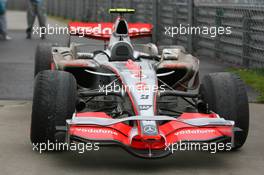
[103, 31]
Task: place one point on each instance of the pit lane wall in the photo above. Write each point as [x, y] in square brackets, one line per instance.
[245, 46]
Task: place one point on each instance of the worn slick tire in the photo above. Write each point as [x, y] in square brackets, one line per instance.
[53, 102]
[226, 95]
[43, 57]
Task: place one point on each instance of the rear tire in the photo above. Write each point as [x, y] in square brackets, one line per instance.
[53, 102]
[226, 95]
[43, 57]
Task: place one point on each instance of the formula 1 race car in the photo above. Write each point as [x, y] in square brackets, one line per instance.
[141, 100]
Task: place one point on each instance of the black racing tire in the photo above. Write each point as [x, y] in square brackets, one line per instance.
[226, 95]
[43, 57]
[53, 102]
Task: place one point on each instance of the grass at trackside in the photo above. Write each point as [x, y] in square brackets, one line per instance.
[254, 78]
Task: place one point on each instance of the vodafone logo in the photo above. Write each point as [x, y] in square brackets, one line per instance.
[104, 28]
[97, 30]
[97, 131]
[195, 131]
[138, 30]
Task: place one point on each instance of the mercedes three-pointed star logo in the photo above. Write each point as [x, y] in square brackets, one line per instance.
[149, 129]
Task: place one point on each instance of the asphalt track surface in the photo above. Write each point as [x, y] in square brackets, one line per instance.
[17, 157]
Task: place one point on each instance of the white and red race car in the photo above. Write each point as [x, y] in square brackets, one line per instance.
[143, 101]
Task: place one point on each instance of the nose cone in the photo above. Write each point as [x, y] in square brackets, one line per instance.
[147, 136]
[157, 142]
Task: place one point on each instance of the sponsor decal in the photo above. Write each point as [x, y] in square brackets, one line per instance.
[144, 107]
[195, 131]
[104, 28]
[97, 131]
[150, 129]
[144, 97]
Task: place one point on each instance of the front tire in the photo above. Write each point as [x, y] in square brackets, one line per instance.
[53, 102]
[43, 57]
[226, 95]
